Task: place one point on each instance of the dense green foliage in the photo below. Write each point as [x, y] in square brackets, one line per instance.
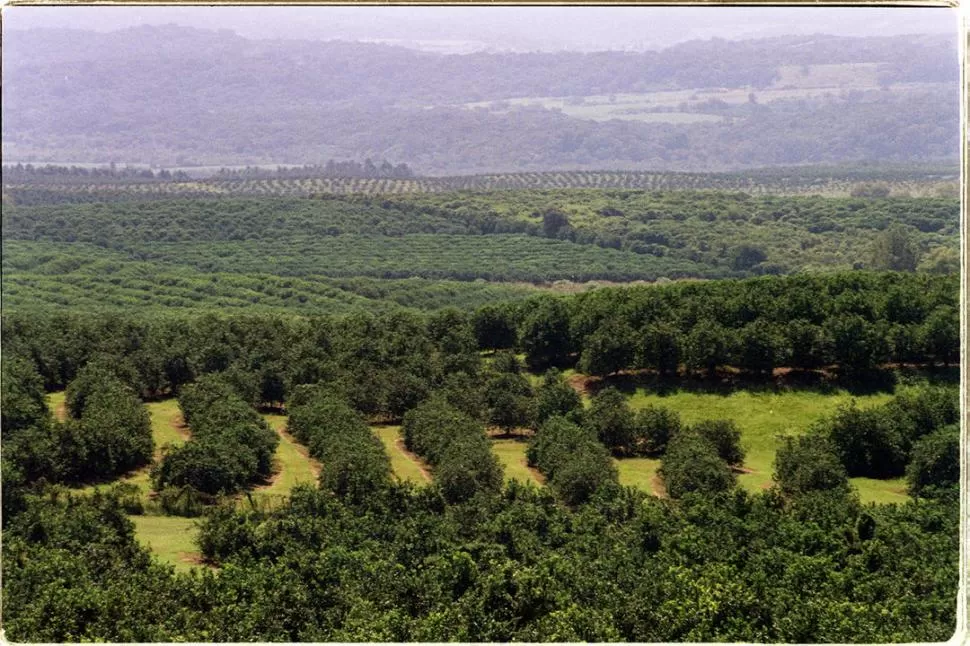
[107, 432]
[556, 398]
[934, 468]
[691, 464]
[514, 567]
[23, 402]
[575, 463]
[354, 463]
[809, 463]
[878, 442]
[231, 445]
[345, 253]
[364, 558]
[455, 445]
[855, 321]
[386, 364]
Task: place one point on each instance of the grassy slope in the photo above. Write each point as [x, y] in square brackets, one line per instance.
[640, 473]
[511, 453]
[405, 465]
[293, 463]
[56, 404]
[764, 416]
[171, 538]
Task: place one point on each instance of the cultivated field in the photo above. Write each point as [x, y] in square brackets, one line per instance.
[829, 182]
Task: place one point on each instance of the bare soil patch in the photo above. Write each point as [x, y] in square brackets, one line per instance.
[180, 427]
[581, 384]
[195, 558]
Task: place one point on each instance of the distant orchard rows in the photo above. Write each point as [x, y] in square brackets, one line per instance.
[776, 182]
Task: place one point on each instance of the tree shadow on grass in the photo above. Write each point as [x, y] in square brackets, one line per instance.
[823, 382]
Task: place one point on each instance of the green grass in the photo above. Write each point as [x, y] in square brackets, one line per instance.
[881, 491]
[56, 404]
[171, 538]
[167, 425]
[406, 467]
[640, 473]
[294, 464]
[511, 453]
[762, 417]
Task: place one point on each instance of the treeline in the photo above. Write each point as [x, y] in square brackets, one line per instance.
[333, 168]
[231, 446]
[355, 466]
[924, 180]
[106, 431]
[852, 321]
[848, 322]
[52, 173]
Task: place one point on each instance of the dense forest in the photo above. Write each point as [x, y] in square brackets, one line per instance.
[703, 105]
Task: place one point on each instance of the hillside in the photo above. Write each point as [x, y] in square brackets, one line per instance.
[145, 94]
[338, 253]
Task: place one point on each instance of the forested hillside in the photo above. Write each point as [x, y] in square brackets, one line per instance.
[703, 105]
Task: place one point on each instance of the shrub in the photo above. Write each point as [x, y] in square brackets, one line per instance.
[612, 420]
[869, 442]
[653, 428]
[554, 397]
[692, 464]
[809, 463]
[935, 463]
[725, 436]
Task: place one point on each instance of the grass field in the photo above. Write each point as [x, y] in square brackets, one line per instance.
[293, 463]
[406, 466]
[55, 402]
[641, 473]
[171, 538]
[881, 491]
[762, 417]
[167, 425]
[511, 453]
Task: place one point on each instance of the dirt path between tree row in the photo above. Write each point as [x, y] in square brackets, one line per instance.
[284, 435]
[418, 462]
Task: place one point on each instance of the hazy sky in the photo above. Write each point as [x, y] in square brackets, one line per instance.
[520, 28]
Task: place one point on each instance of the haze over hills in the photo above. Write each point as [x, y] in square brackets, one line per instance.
[464, 29]
[171, 95]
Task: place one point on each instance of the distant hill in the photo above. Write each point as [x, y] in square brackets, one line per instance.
[179, 96]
